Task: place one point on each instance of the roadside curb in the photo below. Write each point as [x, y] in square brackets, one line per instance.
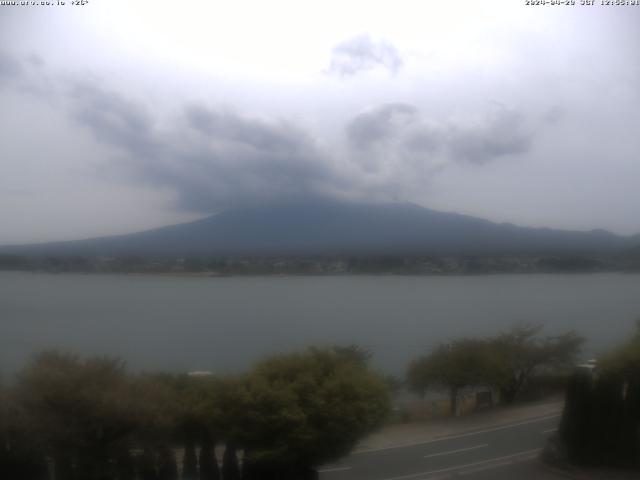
[462, 432]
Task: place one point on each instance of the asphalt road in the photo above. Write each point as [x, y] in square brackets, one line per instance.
[501, 452]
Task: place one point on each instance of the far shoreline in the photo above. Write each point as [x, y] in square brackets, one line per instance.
[214, 275]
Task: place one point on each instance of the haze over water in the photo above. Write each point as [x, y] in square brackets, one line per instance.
[225, 324]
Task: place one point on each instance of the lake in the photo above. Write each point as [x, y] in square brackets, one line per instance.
[225, 324]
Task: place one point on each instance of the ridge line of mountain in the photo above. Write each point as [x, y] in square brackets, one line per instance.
[334, 228]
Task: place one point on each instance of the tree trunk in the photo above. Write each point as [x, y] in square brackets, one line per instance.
[230, 468]
[208, 463]
[507, 395]
[453, 398]
[167, 466]
[190, 461]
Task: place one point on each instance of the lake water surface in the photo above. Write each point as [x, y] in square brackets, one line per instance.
[225, 324]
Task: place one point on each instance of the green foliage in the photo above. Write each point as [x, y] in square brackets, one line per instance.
[507, 361]
[456, 365]
[353, 353]
[601, 420]
[157, 408]
[79, 407]
[309, 408]
[21, 455]
[97, 422]
[88, 413]
[522, 354]
[222, 408]
[624, 360]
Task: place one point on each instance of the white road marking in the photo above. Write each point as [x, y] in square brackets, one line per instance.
[468, 465]
[484, 468]
[457, 451]
[550, 430]
[334, 469]
[462, 435]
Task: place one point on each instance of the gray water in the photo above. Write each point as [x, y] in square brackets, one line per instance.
[225, 324]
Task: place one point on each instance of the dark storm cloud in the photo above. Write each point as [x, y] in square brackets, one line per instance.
[402, 130]
[503, 132]
[219, 158]
[26, 75]
[113, 119]
[246, 161]
[279, 138]
[362, 53]
[379, 124]
[214, 159]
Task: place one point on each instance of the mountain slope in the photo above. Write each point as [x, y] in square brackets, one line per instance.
[339, 228]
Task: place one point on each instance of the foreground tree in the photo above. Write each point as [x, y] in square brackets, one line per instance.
[81, 410]
[523, 353]
[207, 459]
[507, 362]
[167, 466]
[95, 422]
[621, 370]
[295, 412]
[353, 353]
[624, 360]
[601, 420]
[575, 424]
[161, 408]
[455, 366]
[230, 465]
[189, 461]
[22, 456]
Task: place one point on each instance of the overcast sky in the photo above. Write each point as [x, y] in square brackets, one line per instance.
[118, 116]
